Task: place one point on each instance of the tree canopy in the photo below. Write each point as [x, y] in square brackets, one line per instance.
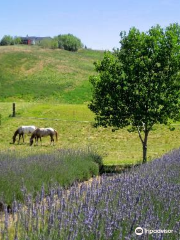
[49, 43]
[138, 84]
[7, 40]
[69, 42]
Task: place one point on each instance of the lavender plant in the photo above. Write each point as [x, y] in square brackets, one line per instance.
[107, 207]
[20, 174]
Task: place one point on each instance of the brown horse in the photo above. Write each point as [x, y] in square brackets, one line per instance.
[43, 132]
[21, 131]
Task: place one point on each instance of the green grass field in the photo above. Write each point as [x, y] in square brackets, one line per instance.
[75, 130]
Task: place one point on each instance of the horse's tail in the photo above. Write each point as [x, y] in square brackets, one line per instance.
[56, 135]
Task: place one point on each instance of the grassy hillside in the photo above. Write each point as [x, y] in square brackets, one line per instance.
[29, 73]
[51, 88]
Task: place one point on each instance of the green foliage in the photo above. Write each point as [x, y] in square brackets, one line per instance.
[17, 40]
[138, 84]
[49, 43]
[69, 42]
[45, 43]
[7, 40]
[54, 43]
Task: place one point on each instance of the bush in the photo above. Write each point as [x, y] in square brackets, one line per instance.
[17, 40]
[7, 40]
[69, 42]
[49, 43]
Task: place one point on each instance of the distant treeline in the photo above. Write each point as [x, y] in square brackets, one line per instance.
[66, 41]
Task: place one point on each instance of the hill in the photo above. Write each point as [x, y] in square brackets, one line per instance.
[44, 84]
[29, 73]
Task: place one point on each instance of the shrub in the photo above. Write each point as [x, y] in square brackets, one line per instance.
[69, 42]
[49, 43]
[17, 40]
[7, 40]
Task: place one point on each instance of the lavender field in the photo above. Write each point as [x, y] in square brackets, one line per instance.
[28, 173]
[106, 207]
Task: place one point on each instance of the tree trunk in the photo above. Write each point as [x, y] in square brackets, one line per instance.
[144, 144]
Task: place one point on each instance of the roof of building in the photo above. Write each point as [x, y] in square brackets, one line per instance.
[34, 38]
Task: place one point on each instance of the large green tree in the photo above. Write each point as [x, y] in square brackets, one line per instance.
[138, 84]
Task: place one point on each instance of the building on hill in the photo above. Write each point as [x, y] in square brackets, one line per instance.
[32, 40]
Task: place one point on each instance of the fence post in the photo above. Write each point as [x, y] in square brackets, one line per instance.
[14, 110]
[0, 119]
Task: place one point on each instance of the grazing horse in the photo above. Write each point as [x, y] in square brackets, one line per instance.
[43, 132]
[23, 130]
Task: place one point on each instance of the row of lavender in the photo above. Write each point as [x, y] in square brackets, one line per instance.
[63, 166]
[107, 207]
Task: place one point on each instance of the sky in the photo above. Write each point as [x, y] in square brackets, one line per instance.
[97, 23]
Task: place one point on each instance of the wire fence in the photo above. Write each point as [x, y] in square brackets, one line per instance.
[55, 119]
[64, 120]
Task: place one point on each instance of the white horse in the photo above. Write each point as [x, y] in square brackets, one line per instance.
[23, 130]
[43, 132]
